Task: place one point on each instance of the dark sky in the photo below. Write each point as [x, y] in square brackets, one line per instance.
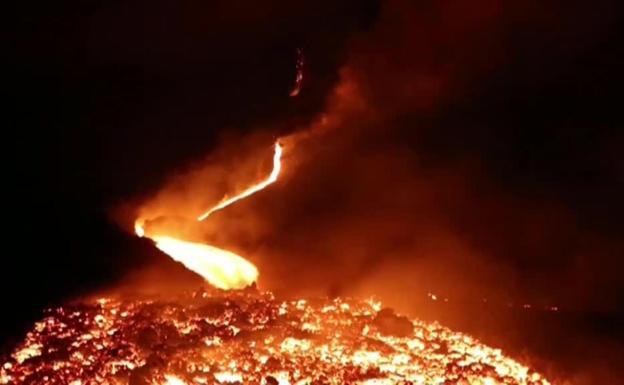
[511, 111]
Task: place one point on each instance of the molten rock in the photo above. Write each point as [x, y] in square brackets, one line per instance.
[251, 338]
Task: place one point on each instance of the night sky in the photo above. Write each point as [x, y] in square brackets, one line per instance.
[503, 118]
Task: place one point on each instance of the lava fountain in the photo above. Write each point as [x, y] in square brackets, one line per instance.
[221, 268]
[277, 166]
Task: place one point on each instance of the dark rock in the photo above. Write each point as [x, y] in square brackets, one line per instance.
[140, 376]
[389, 323]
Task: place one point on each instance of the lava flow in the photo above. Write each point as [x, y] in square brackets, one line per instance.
[277, 166]
[221, 268]
[248, 337]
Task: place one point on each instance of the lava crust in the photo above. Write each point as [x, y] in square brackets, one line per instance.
[252, 338]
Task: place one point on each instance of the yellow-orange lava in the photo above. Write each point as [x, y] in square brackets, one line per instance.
[277, 166]
[248, 337]
[221, 268]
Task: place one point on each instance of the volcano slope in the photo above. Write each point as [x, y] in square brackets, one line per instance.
[249, 337]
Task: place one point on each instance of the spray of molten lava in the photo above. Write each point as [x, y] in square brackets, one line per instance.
[277, 166]
[219, 267]
[299, 76]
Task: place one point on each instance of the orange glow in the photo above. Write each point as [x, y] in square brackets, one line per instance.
[173, 380]
[277, 166]
[138, 228]
[221, 268]
[299, 76]
[245, 337]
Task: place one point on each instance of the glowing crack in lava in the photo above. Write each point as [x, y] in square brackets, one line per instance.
[219, 267]
[249, 337]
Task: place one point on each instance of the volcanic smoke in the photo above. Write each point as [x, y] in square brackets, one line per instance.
[246, 336]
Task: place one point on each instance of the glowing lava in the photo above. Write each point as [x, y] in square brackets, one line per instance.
[299, 76]
[219, 267]
[277, 166]
[248, 337]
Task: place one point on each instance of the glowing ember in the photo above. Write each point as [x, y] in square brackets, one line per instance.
[173, 380]
[219, 267]
[252, 338]
[253, 189]
[299, 76]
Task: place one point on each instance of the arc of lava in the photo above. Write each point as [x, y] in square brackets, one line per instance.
[277, 166]
[220, 267]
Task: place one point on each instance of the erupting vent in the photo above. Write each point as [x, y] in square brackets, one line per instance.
[252, 338]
